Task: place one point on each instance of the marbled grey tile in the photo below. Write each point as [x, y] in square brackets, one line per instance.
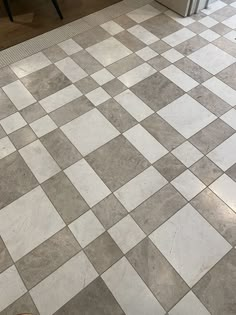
[2, 133]
[24, 305]
[169, 166]
[33, 112]
[87, 62]
[91, 37]
[231, 172]
[103, 252]
[114, 87]
[109, 211]
[193, 44]
[22, 137]
[65, 197]
[216, 289]
[45, 82]
[211, 136]
[158, 208]
[114, 162]
[7, 76]
[96, 298]
[124, 65]
[60, 148]
[124, 21]
[157, 91]
[206, 170]
[47, 257]
[72, 110]
[5, 258]
[221, 29]
[228, 75]
[16, 179]
[209, 100]
[217, 213]
[159, 63]
[163, 132]
[130, 41]
[7, 108]
[223, 13]
[86, 85]
[226, 45]
[160, 47]
[55, 53]
[158, 274]
[117, 115]
[197, 27]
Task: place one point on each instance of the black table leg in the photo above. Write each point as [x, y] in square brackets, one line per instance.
[7, 6]
[57, 8]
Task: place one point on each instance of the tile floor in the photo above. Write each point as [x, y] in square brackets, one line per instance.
[118, 169]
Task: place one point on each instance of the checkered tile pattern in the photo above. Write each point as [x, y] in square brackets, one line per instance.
[118, 169]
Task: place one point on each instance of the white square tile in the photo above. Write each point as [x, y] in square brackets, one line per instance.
[103, 76]
[39, 161]
[87, 182]
[190, 304]
[98, 96]
[181, 20]
[146, 53]
[208, 21]
[30, 64]
[86, 228]
[225, 154]
[172, 55]
[19, 95]
[70, 47]
[225, 188]
[177, 76]
[130, 291]
[140, 188]
[178, 37]
[186, 115]
[231, 36]
[112, 27]
[190, 244]
[126, 233]
[187, 154]
[137, 74]
[6, 147]
[71, 69]
[136, 107]
[222, 90]
[209, 35]
[11, 287]
[63, 284]
[60, 98]
[43, 125]
[142, 34]
[147, 145]
[144, 13]
[27, 222]
[212, 58]
[230, 22]
[13, 122]
[109, 51]
[230, 118]
[233, 4]
[89, 131]
[214, 6]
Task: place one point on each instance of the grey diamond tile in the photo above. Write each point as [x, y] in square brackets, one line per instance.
[197, 27]
[22, 137]
[228, 76]
[86, 62]
[114, 162]
[91, 37]
[160, 47]
[212, 288]
[226, 45]
[109, 211]
[158, 208]
[24, 305]
[158, 274]
[33, 112]
[159, 63]
[86, 85]
[2, 133]
[163, 132]
[211, 136]
[16, 179]
[103, 252]
[215, 211]
[157, 91]
[189, 46]
[45, 82]
[224, 13]
[55, 53]
[7, 76]
[72, 110]
[117, 115]
[5, 258]
[169, 166]
[65, 197]
[114, 87]
[130, 41]
[6, 108]
[124, 21]
[221, 29]
[124, 65]
[206, 170]
[231, 172]
[60, 148]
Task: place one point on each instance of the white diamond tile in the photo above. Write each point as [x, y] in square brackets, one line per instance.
[230, 22]
[209, 35]
[102, 76]
[146, 53]
[230, 118]
[70, 47]
[142, 34]
[187, 154]
[12, 123]
[172, 55]
[43, 125]
[98, 96]
[178, 37]
[215, 6]
[6, 147]
[112, 27]
[185, 21]
[144, 13]
[231, 36]
[71, 69]
[208, 21]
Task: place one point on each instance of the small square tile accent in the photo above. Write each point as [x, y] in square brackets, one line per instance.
[142, 34]
[6, 147]
[71, 69]
[12, 123]
[209, 35]
[22, 137]
[172, 55]
[208, 21]
[43, 125]
[187, 154]
[178, 37]
[144, 13]
[114, 87]
[103, 76]
[146, 53]
[86, 85]
[112, 27]
[98, 96]
[230, 118]
[70, 47]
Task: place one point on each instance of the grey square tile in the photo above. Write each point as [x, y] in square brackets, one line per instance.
[5, 258]
[163, 132]
[2, 133]
[33, 112]
[211, 136]
[158, 208]
[206, 170]
[169, 166]
[228, 76]
[114, 87]
[61, 148]
[124, 65]
[224, 13]
[103, 252]
[114, 162]
[23, 305]
[158, 274]
[124, 21]
[231, 172]
[91, 37]
[197, 27]
[157, 91]
[109, 211]
[55, 53]
[212, 288]
[130, 41]
[47, 257]
[22, 137]
[221, 29]
[7, 76]
[6, 108]
[86, 85]
[159, 63]
[160, 47]
[117, 115]
[16, 179]
[191, 45]
[45, 82]
[65, 197]
[86, 62]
